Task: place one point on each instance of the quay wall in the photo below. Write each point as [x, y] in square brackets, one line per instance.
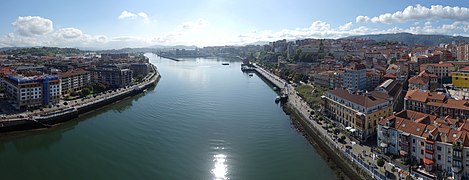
[339, 163]
[27, 123]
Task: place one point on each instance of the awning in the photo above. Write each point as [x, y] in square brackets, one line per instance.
[427, 161]
[384, 145]
[403, 153]
[348, 128]
[353, 130]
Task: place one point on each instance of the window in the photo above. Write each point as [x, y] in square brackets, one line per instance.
[421, 151]
[413, 149]
[413, 141]
[438, 148]
[439, 157]
[421, 143]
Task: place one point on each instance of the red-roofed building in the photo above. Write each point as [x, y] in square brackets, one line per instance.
[437, 143]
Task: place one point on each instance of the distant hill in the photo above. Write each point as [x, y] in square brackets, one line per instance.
[412, 39]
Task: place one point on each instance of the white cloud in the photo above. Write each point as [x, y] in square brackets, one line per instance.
[69, 33]
[126, 14]
[194, 25]
[346, 26]
[419, 12]
[32, 26]
[129, 15]
[362, 19]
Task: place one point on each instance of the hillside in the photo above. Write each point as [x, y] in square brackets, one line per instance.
[412, 39]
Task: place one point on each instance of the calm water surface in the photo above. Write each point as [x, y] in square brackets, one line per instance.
[203, 121]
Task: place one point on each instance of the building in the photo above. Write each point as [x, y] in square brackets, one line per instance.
[462, 52]
[114, 76]
[361, 112]
[394, 89]
[373, 79]
[355, 77]
[115, 56]
[439, 144]
[424, 81]
[325, 79]
[442, 70]
[32, 92]
[417, 100]
[460, 78]
[140, 69]
[74, 80]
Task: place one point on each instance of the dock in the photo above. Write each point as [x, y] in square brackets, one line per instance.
[276, 81]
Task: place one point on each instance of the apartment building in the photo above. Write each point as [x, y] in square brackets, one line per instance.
[74, 80]
[355, 77]
[439, 144]
[32, 92]
[358, 111]
[115, 76]
[460, 78]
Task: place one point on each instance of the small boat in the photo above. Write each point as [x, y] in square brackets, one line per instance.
[277, 99]
[225, 63]
[250, 74]
[275, 88]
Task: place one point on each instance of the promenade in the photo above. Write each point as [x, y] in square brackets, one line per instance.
[68, 106]
[364, 161]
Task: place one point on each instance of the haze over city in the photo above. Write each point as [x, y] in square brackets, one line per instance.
[111, 24]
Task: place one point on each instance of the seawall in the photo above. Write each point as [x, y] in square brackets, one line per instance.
[337, 161]
[49, 119]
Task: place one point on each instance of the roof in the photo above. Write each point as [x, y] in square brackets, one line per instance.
[452, 103]
[72, 73]
[418, 80]
[422, 96]
[372, 99]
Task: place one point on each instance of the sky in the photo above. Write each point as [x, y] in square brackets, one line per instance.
[112, 24]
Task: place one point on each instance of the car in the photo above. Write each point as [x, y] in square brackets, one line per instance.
[348, 147]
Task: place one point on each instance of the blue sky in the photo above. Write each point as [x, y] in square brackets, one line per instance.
[141, 23]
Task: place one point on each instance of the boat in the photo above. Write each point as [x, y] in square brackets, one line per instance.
[225, 63]
[277, 99]
[250, 74]
[275, 88]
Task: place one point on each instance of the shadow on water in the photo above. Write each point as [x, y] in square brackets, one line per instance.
[44, 138]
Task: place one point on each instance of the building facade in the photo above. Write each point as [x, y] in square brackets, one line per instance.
[355, 78]
[74, 80]
[439, 144]
[32, 92]
[358, 111]
[115, 76]
[460, 78]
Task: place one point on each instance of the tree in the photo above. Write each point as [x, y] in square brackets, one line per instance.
[380, 162]
[85, 92]
[342, 138]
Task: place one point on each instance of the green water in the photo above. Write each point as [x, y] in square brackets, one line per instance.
[203, 121]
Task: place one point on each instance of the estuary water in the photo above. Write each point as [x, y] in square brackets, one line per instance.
[204, 120]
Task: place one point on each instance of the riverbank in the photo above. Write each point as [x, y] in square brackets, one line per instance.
[329, 150]
[73, 109]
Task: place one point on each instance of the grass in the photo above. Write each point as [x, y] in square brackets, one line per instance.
[306, 92]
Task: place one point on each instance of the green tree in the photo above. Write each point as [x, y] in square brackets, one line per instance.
[85, 92]
[380, 162]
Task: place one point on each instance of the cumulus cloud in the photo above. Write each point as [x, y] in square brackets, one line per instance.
[69, 33]
[346, 26]
[419, 12]
[32, 26]
[126, 14]
[362, 19]
[129, 15]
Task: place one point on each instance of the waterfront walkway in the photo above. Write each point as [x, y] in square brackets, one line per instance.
[359, 155]
[64, 105]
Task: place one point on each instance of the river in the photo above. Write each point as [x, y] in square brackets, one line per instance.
[204, 120]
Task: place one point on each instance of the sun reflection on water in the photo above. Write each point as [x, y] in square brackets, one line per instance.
[220, 169]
